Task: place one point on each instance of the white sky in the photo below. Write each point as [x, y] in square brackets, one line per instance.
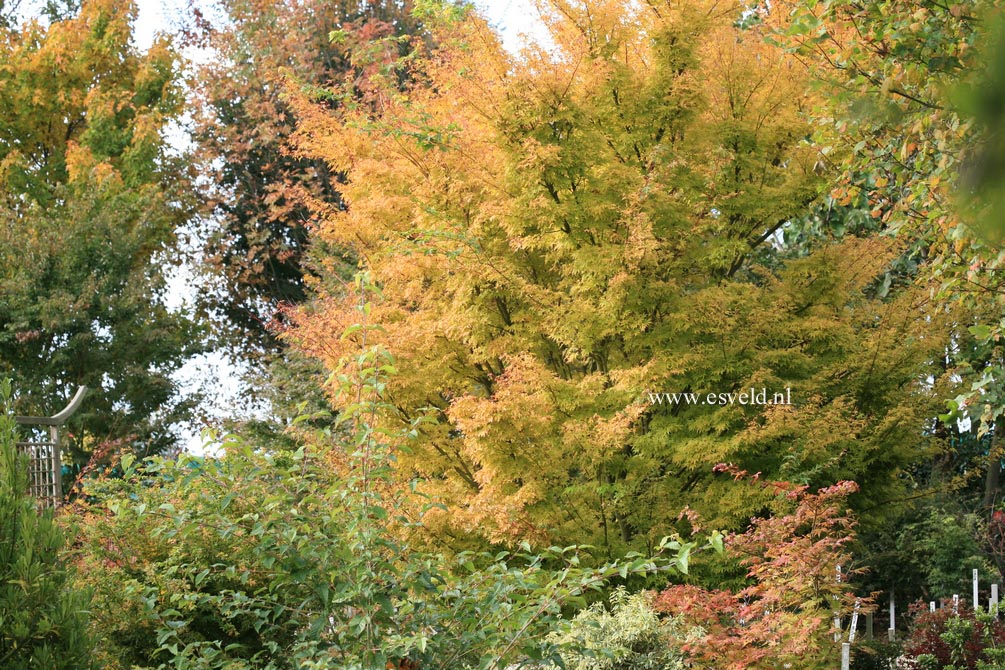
[509, 17]
[212, 373]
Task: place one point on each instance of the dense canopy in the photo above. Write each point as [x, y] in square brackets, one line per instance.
[670, 339]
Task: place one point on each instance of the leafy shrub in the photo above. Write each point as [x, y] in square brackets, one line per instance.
[630, 635]
[251, 561]
[876, 654]
[43, 621]
[944, 640]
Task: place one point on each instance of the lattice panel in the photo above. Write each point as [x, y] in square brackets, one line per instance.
[44, 471]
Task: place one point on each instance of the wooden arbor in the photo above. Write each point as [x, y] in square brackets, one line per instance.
[45, 463]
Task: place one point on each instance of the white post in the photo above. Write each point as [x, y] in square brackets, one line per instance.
[55, 488]
[976, 584]
[931, 606]
[892, 633]
[854, 622]
[846, 656]
[837, 618]
[994, 595]
[956, 604]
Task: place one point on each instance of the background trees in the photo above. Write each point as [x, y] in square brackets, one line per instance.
[90, 204]
[257, 258]
[257, 238]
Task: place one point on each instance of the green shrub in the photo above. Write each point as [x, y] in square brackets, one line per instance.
[43, 624]
[876, 654]
[258, 562]
[943, 547]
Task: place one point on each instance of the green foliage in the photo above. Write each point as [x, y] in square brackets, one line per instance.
[876, 654]
[912, 126]
[943, 547]
[980, 100]
[43, 618]
[629, 635]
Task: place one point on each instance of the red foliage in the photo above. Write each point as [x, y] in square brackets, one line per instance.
[996, 539]
[785, 614]
[926, 635]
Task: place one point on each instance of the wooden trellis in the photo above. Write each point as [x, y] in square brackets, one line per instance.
[45, 462]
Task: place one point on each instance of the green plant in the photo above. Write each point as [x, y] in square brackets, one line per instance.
[875, 654]
[93, 201]
[43, 623]
[942, 547]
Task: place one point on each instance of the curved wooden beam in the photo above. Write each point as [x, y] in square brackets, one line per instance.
[59, 418]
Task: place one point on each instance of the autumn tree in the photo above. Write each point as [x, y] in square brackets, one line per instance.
[561, 233]
[90, 202]
[254, 229]
[257, 234]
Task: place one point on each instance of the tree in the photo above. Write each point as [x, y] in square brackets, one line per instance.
[560, 234]
[912, 124]
[257, 255]
[256, 248]
[903, 121]
[43, 618]
[90, 204]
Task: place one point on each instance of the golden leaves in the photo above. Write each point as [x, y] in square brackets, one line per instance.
[559, 233]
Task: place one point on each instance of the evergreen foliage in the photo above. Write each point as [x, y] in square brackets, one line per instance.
[43, 617]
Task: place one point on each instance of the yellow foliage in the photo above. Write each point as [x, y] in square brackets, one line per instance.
[558, 233]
